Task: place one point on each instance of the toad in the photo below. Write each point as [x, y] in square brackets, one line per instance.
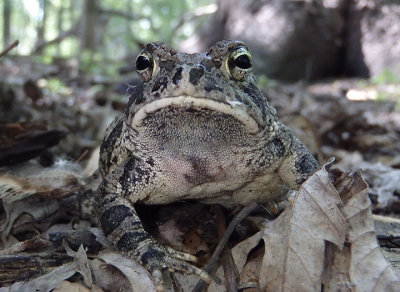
[196, 128]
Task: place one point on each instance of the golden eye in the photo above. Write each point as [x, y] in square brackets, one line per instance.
[239, 63]
[145, 65]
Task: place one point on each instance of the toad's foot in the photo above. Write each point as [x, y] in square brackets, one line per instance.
[157, 258]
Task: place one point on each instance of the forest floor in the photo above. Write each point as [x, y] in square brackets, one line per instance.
[52, 120]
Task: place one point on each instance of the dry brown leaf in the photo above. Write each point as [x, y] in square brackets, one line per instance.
[100, 237]
[336, 275]
[54, 182]
[367, 268]
[53, 279]
[107, 277]
[17, 190]
[217, 287]
[170, 232]
[81, 263]
[193, 243]
[249, 280]
[44, 283]
[66, 286]
[33, 243]
[138, 277]
[242, 249]
[93, 163]
[295, 241]
[185, 281]
[32, 206]
[320, 243]
[383, 179]
[248, 270]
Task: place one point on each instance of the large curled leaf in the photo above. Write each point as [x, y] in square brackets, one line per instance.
[365, 265]
[54, 182]
[295, 242]
[137, 276]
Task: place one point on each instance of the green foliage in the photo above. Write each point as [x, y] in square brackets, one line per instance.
[150, 20]
[1, 24]
[121, 26]
[386, 84]
[263, 81]
[387, 76]
[96, 64]
[56, 86]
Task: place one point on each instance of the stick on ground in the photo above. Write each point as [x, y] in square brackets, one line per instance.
[9, 48]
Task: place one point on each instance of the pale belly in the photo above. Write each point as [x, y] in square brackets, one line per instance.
[199, 158]
[222, 178]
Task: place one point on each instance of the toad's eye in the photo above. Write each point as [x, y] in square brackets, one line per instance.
[142, 63]
[239, 63]
[145, 65]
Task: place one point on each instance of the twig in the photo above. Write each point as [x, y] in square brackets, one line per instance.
[212, 264]
[82, 156]
[122, 14]
[230, 271]
[59, 38]
[10, 47]
[199, 12]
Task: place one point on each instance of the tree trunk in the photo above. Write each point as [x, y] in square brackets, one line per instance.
[41, 25]
[289, 40]
[60, 28]
[6, 22]
[88, 28]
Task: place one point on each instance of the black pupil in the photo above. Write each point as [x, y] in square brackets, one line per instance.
[243, 62]
[142, 63]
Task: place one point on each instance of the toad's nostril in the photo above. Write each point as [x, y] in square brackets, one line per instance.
[177, 76]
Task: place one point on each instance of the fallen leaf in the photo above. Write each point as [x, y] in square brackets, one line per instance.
[34, 243]
[295, 241]
[249, 277]
[66, 286]
[108, 277]
[369, 270]
[93, 163]
[53, 182]
[193, 243]
[383, 179]
[138, 277]
[81, 263]
[242, 249]
[217, 287]
[170, 232]
[33, 206]
[53, 279]
[43, 283]
[100, 237]
[22, 141]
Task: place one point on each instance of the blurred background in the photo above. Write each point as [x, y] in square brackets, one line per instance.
[99, 34]
[291, 40]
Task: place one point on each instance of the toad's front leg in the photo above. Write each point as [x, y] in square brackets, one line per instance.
[123, 227]
[299, 165]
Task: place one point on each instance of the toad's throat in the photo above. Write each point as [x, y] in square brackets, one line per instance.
[235, 109]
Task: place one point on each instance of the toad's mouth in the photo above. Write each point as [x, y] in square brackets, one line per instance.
[235, 109]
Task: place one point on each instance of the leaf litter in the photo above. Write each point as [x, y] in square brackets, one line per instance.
[318, 251]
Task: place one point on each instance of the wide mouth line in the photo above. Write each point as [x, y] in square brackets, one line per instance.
[235, 109]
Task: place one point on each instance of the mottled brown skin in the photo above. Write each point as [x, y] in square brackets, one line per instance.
[196, 128]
